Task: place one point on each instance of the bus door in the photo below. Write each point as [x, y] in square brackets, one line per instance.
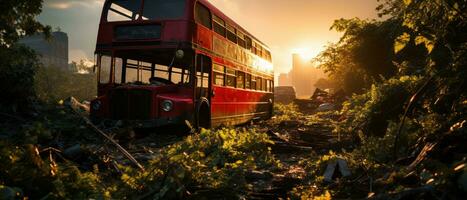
[203, 77]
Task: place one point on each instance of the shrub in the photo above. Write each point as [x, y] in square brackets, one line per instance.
[18, 66]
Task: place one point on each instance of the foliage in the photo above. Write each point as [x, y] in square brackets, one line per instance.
[285, 112]
[370, 112]
[213, 160]
[54, 84]
[363, 55]
[18, 65]
[17, 19]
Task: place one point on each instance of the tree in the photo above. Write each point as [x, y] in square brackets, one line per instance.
[18, 64]
[363, 55]
[18, 19]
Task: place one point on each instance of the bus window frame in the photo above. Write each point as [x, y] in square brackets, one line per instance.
[99, 64]
[219, 23]
[230, 73]
[197, 17]
[218, 70]
[240, 80]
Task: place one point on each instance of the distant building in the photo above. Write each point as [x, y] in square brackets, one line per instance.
[52, 51]
[304, 75]
[284, 80]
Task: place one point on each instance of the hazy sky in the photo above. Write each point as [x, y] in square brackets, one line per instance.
[286, 26]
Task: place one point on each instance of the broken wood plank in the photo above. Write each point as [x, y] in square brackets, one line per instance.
[277, 136]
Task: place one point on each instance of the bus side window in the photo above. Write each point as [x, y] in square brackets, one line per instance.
[248, 42]
[230, 77]
[118, 70]
[240, 80]
[241, 39]
[231, 33]
[259, 83]
[203, 15]
[105, 67]
[219, 25]
[219, 73]
[253, 82]
[247, 81]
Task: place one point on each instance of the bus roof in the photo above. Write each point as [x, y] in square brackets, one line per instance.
[219, 13]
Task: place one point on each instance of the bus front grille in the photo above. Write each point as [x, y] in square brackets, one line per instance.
[131, 104]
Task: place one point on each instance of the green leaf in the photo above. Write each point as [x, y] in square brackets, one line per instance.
[429, 45]
[407, 2]
[401, 42]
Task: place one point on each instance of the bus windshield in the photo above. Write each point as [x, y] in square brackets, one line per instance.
[129, 10]
[134, 71]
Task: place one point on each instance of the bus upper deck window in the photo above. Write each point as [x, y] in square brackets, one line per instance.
[164, 9]
[203, 15]
[123, 10]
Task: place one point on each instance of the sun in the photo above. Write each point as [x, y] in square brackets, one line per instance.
[306, 53]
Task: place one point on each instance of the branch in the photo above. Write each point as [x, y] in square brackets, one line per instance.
[407, 109]
[119, 147]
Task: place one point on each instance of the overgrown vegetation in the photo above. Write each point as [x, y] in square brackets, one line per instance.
[410, 106]
[406, 120]
[208, 164]
[53, 84]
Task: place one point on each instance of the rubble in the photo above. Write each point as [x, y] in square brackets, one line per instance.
[321, 101]
[341, 164]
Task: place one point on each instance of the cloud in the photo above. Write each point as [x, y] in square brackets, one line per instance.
[67, 4]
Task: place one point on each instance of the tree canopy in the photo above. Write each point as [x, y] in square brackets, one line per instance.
[18, 18]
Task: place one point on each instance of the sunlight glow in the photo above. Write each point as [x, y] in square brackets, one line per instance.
[306, 53]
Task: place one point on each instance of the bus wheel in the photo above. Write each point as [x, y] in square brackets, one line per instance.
[204, 117]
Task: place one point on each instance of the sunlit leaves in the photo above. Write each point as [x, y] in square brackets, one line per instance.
[429, 44]
[401, 42]
[407, 2]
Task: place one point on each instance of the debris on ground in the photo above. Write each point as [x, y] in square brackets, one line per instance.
[342, 166]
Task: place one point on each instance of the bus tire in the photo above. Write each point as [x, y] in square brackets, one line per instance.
[203, 117]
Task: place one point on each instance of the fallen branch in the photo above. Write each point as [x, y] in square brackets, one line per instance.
[119, 147]
[407, 109]
[422, 155]
[277, 136]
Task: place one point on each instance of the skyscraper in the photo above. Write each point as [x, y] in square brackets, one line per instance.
[304, 75]
[284, 80]
[52, 51]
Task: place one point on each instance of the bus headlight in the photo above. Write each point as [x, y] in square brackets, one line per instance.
[167, 105]
[97, 105]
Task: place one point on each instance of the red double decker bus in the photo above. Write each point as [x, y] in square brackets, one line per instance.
[165, 62]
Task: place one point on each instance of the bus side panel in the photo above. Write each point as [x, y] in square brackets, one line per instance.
[204, 37]
[232, 106]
